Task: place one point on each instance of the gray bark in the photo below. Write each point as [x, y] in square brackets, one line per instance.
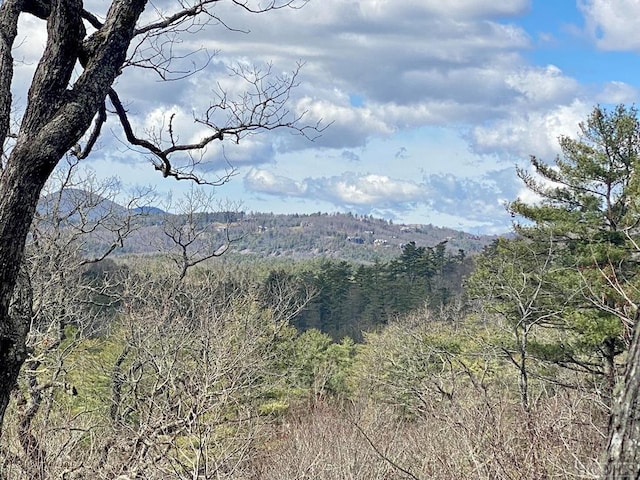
[622, 460]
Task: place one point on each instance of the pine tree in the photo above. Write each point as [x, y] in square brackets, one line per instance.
[586, 207]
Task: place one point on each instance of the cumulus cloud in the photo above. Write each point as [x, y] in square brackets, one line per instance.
[617, 93]
[361, 192]
[388, 52]
[525, 133]
[543, 86]
[480, 199]
[613, 24]
[367, 190]
[263, 181]
[475, 8]
[410, 63]
[347, 126]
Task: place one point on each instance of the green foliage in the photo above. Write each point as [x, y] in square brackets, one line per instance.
[521, 280]
[418, 360]
[573, 268]
[352, 299]
[320, 366]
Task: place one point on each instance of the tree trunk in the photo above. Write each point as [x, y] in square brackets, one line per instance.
[55, 119]
[19, 195]
[623, 449]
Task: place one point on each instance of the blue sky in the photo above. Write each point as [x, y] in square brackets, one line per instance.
[431, 103]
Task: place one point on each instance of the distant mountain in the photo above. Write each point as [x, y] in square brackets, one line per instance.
[147, 210]
[72, 204]
[296, 236]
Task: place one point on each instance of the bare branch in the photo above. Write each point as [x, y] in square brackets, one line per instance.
[158, 54]
[200, 230]
[178, 18]
[194, 14]
[92, 19]
[101, 119]
[163, 163]
[263, 107]
[272, 5]
[382, 454]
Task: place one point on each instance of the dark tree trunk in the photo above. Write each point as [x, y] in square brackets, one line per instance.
[623, 449]
[18, 200]
[55, 119]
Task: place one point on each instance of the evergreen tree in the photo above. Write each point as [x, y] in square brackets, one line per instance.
[586, 208]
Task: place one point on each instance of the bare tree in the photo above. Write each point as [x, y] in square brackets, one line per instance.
[62, 104]
[65, 297]
[199, 229]
[515, 280]
[187, 386]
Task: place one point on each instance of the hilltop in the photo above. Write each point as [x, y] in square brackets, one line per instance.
[301, 236]
[348, 236]
[295, 236]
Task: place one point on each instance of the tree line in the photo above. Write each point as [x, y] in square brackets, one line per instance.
[351, 298]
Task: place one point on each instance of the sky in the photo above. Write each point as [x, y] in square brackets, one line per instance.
[427, 106]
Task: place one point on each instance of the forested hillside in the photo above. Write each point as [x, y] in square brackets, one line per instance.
[295, 236]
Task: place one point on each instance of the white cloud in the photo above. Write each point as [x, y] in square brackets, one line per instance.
[613, 24]
[347, 126]
[369, 189]
[31, 40]
[354, 190]
[388, 11]
[525, 133]
[617, 93]
[414, 62]
[30, 43]
[480, 199]
[263, 181]
[478, 8]
[543, 86]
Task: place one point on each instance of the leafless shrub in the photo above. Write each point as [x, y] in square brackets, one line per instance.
[476, 438]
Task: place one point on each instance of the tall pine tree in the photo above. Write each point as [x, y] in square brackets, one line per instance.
[587, 206]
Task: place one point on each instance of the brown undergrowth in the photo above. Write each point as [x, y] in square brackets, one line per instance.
[476, 438]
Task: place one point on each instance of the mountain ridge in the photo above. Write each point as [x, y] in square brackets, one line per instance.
[344, 236]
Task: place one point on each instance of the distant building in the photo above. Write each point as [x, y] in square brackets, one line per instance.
[358, 240]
